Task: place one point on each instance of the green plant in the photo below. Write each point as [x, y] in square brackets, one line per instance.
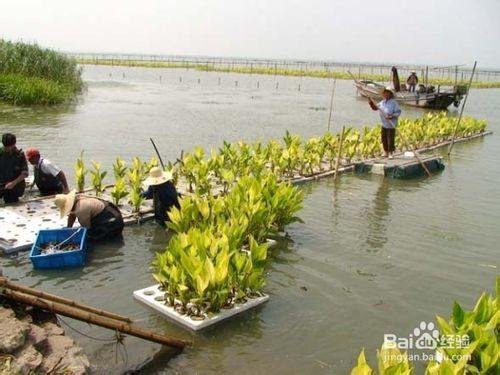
[119, 168]
[119, 191]
[217, 255]
[479, 326]
[97, 177]
[80, 172]
[33, 75]
[136, 199]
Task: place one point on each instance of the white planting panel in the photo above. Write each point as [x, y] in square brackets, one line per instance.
[153, 297]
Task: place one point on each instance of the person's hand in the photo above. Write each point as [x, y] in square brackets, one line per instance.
[10, 185]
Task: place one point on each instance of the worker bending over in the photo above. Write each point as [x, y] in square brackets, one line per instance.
[102, 219]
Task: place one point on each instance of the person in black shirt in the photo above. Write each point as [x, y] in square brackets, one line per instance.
[162, 190]
[13, 170]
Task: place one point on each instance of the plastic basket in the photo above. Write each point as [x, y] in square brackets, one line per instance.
[74, 258]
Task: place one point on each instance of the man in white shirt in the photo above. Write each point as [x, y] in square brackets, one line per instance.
[49, 179]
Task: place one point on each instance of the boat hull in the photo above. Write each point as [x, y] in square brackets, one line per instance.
[436, 100]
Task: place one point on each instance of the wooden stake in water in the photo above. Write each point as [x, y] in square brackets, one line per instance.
[462, 109]
[331, 105]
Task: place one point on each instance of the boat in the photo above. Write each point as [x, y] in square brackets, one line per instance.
[423, 97]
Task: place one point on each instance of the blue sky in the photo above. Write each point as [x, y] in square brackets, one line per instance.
[423, 32]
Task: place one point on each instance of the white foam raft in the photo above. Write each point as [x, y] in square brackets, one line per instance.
[153, 297]
[20, 223]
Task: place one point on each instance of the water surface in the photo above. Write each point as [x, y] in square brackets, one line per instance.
[373, 255]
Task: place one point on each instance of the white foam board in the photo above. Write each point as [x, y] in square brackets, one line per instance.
[150, 295]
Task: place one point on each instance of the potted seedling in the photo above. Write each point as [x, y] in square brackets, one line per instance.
[97, 177]
[80, 172]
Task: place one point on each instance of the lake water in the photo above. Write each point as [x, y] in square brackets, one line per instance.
[373, 256]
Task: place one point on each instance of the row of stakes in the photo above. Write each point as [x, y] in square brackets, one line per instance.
[218, 81]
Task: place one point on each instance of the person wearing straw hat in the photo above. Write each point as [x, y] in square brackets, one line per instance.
[102, 219]
[389, 113]
[49, 178]
[162, 190]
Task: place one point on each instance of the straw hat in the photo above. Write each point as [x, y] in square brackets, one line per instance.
[157, 176]
[65, 202]
[390, 89]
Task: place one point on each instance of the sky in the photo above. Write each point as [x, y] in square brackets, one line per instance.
[434, 32]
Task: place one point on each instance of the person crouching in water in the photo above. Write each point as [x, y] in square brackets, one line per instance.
[162, 190]
[49, 178]
[102, 219]
[389, 113]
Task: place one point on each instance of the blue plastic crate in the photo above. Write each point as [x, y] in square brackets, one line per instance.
[75, 258]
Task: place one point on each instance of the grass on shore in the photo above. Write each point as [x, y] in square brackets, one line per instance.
[31, 75]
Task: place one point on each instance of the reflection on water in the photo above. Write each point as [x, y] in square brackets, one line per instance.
[373, 255]
[376, 234]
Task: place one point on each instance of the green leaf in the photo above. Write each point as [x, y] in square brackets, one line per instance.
[458, 315]
[362, 367]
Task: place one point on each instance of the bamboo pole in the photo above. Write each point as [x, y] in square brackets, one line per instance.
[415, 153]
[339, 151]
[462, 110]
[331, 105]
[38, 293]
[89, 317]
[158, 153]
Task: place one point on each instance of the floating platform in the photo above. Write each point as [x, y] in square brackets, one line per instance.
[403, 166]
[153, 297]
[20, 222]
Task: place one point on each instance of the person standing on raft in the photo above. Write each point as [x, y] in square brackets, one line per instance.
[389, 113]
[102, 219]
[162, 190]
[412, 81]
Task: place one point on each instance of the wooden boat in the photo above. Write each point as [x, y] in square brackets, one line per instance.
[423, 97]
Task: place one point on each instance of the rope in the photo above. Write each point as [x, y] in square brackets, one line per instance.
[108, 340]
[118, 340]
[57, 246]
[70, 237]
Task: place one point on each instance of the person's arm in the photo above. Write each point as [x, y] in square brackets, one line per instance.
[71, 220]
[148, 194]
[64, 182]
[394, 111]
[372, 104]
[12, 184]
